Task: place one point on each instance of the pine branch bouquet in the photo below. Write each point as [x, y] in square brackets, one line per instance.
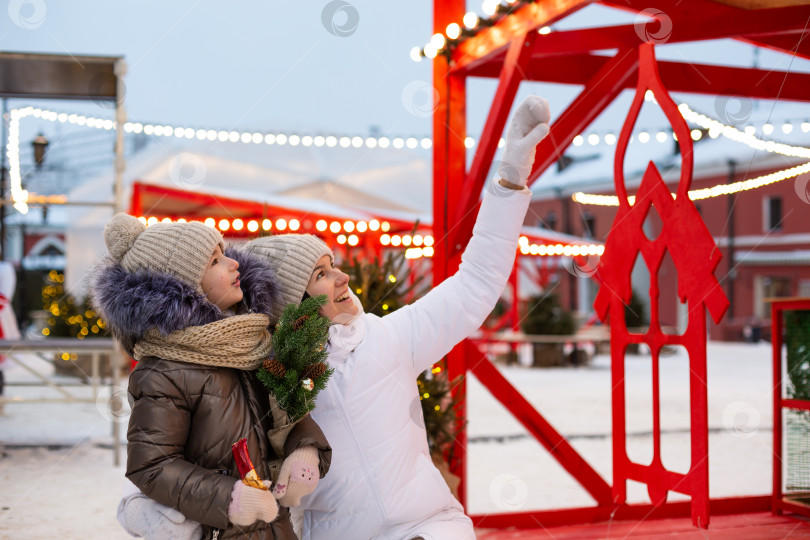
[298, 371]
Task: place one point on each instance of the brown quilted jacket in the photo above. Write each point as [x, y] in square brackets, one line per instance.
[185, 417]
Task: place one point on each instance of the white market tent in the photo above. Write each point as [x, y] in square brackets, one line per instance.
[344, 182]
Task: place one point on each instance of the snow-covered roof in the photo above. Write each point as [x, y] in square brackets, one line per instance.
[792, 258]
[399, 178]
[554, 237]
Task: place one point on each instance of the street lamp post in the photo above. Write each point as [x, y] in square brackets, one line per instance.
[40, 144]
[3, 176]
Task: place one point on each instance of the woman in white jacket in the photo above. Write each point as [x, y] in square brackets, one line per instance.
[382, 483]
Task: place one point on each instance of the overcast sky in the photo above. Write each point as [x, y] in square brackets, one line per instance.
[295, 66]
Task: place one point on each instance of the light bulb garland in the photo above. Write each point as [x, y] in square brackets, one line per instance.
[747, 138]
[21, 198]
[556, 250]
[705, 193]
[416, 246]
[470, 24]
[717, 128]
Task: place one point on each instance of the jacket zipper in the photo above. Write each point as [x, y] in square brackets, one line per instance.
[215, 533]
[358, 450]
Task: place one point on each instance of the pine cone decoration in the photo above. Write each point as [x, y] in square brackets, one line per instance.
[299, 322]
[274, 367]
[313, 371]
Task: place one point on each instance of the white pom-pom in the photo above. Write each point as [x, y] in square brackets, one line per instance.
[120, 233]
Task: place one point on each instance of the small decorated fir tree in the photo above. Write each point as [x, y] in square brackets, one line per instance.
[68, 317]
[439, 408]
[298, 371]
[381, 287]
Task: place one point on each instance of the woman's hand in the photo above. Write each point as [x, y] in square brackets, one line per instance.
[529, 126]
[143, 517]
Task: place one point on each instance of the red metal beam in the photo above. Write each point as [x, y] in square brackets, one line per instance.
[797, 44]
[602, 88]
[717, 507]
[571, 516]
[545, 518]
[797, 404]
[776, 23]
[523, 411]
[449, 160]
[777, 28]
[201, 199]
[695, 10]
[677, 76]
[212, 205]
[599, 92]
[513, 72]
[776, 354]
[527, 18]
[778, 503]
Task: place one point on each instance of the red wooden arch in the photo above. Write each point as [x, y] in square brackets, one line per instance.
[510, 49]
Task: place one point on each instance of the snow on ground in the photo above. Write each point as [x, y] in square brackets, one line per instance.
[57, 477]
[57, 474]
[520, 475]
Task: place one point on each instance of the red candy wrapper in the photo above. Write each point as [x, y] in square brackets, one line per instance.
[245, 466]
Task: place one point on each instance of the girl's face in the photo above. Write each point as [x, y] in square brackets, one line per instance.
[220, 283]
[328, 280]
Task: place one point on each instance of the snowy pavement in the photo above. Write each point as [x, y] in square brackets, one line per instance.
[57, 476]
[520, 475]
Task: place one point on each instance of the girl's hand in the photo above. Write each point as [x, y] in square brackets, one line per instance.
[298, 476]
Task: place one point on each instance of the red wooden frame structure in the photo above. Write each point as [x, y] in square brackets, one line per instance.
[692, 247]
[508, 47]
[779, 502]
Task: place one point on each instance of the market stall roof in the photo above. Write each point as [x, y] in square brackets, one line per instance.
[164, 201]
[59, 76]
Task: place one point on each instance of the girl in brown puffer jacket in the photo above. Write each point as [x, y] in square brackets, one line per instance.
[167, 293]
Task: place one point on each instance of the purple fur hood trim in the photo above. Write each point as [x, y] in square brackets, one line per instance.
[133, 303]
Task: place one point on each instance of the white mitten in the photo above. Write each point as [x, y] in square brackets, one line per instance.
[249, 505]
[298, 476]
[143, 517]
[529, 126]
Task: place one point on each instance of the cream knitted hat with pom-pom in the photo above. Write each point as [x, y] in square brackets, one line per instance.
[180, 249]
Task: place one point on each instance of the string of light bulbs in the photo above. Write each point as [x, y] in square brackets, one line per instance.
[417, 245]
[21, 197]
[717, 128]
[555, 250]
[747, 136]
[705, 193]
[471, 24]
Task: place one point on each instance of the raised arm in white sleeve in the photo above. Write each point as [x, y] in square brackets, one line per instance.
[454, 309]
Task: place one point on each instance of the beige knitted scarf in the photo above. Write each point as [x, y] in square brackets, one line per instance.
[239, 342]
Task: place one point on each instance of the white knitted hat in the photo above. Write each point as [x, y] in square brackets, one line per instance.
[293, 257]
[180, 249]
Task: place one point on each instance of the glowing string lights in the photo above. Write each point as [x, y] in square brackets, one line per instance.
[705, 193]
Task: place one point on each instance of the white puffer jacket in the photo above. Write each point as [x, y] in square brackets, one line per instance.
[382, 481]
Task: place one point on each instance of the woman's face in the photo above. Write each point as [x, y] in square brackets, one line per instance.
[328, 280]
[220, 283]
